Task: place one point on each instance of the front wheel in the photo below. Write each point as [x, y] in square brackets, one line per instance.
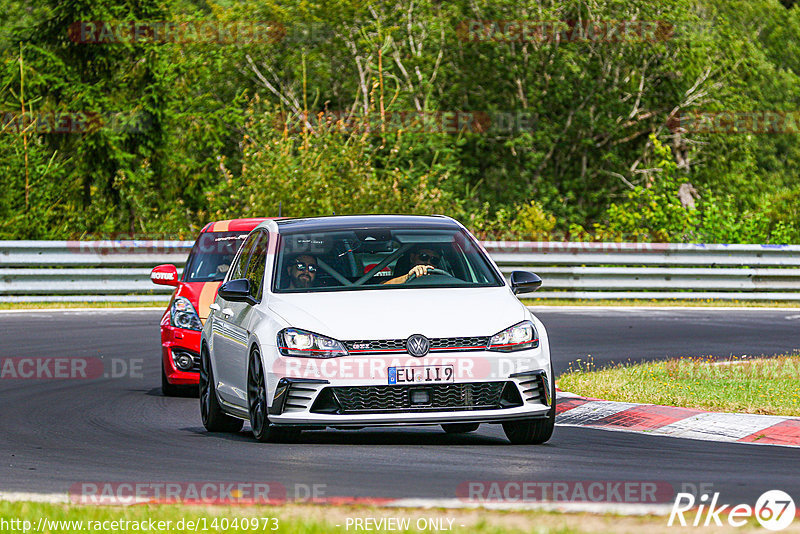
[530, 432]
[533, 431]
[167, 389]
[214, 419]
[257, 398]
[263, 431]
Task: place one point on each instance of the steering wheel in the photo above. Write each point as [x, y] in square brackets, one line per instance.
[440, 272]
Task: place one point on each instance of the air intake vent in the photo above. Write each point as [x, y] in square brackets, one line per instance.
[534, 387]
[294, 395]
[298, 398]
[443, 397]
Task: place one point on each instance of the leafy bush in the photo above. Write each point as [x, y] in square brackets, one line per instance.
[333, 168]
[651, 212]
[656, 213]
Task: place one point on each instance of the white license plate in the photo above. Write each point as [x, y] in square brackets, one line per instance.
[421, 374]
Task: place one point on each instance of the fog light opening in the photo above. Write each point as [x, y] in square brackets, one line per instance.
[183, 361]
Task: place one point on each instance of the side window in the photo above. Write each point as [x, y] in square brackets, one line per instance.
[240, 268]
[258, 262]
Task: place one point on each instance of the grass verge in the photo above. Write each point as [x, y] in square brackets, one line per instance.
[683, 303]
[309, 519]
[763, 385]
[69, 305]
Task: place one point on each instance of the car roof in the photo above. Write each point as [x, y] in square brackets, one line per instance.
[340, 222]
[234, 225]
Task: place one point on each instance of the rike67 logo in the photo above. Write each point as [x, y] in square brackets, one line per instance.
[774, 510]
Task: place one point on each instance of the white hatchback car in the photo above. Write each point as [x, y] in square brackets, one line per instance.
[374, 320]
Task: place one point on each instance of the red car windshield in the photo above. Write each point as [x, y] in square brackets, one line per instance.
[212, 255]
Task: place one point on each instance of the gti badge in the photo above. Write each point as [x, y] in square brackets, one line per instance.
[418, 345]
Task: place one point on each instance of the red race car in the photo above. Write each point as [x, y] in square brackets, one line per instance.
[188, 309]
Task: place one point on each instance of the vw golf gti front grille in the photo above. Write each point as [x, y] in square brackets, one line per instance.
[440, 397]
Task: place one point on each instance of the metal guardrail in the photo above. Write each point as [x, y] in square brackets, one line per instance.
[87, 271]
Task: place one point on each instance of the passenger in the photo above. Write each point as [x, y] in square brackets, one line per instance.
[223, 266]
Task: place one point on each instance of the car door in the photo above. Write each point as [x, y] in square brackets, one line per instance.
[233, 370]
[228, 337]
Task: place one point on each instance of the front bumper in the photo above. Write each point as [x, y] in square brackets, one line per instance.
[175, 340]
[319, 402]
[433, 418]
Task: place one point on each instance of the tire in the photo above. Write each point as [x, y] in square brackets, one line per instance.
[460, 428]
[257, 406]
[214, 419]
[257, 398]
[167, 389]
[533, 431]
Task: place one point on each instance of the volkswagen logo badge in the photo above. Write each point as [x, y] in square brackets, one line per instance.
[418, 345]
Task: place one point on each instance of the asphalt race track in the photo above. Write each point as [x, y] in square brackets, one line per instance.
[613, 335]
[56, 433]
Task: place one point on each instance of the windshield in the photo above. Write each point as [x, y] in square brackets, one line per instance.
[212, 255]
[380, 258]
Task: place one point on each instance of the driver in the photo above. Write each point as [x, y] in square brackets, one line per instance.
[224, 265]
[302, 271]
[422, 260]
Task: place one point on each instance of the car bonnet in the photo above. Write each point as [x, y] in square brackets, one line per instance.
[399, 313]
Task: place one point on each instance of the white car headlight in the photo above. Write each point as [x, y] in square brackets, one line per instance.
[296, 342]
[518, 337]
[183, 315]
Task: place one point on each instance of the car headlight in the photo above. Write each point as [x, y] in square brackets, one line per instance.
[296, 342]
[183, 315]
[519, 337]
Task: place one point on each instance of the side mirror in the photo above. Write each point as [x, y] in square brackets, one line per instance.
[236, 291]
[524, 282]
[164, 275]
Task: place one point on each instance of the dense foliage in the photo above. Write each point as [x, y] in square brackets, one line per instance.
[401, 107]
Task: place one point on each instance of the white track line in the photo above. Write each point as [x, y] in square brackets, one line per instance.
[720, 426]
[707, 426]
[587, 413]
[21, 496]
[87, 310]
